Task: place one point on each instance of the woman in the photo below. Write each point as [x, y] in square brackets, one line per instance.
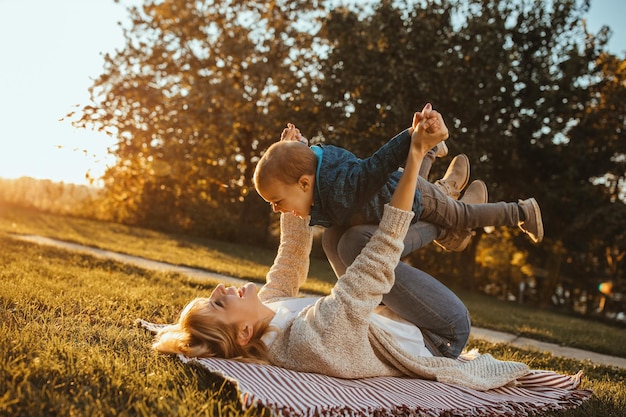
[338, 335]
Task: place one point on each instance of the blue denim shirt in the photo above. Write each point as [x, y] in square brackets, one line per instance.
[351, 191]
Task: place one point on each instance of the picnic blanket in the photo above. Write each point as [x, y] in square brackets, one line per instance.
[291, 393]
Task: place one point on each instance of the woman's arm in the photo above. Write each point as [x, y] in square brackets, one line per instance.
[428, 130]
[291, 264]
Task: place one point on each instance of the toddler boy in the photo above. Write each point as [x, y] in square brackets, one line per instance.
[335, 188]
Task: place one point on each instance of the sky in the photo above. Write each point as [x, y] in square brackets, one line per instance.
[50, 53]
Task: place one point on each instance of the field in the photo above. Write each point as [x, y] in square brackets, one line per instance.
[70, 346]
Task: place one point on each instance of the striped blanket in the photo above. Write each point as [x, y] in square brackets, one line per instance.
[292, 393]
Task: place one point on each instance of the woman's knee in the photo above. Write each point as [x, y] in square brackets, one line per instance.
[450, 342]
[462, 328]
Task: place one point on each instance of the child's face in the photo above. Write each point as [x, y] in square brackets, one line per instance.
[290, 198]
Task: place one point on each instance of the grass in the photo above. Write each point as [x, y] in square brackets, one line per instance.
[545, 325]
[69, 345]
[241, 261]
[252, 263]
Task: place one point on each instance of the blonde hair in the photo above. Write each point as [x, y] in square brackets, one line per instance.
[285, 161]
[197, 333]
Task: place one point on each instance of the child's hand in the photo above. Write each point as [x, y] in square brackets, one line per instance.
[289, 132]
[292, 133]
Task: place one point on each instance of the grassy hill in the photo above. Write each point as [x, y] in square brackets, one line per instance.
[70, 347]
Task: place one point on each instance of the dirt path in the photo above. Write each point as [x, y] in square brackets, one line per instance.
[478, 333]
[131, 260]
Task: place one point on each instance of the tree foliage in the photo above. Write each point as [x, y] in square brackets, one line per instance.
[594, 165]
[528, 94]
[200, 89]
[203, 87]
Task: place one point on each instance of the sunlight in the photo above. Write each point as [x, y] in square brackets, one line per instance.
[50, 61]
[51, 58]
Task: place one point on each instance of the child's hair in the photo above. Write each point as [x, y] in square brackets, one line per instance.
[285, 161]
[198, 334]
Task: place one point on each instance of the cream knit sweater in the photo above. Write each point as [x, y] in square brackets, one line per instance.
[334, 336]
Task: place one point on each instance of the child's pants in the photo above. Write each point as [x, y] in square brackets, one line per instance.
[448, 213]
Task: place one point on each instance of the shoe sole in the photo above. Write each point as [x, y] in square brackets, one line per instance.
[538, 221]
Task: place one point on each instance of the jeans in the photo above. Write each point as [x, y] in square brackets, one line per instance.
[415, 296]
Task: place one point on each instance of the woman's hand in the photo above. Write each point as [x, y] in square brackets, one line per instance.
[428, 129]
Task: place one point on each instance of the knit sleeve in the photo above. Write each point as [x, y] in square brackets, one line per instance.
[360, 289]
[291, 264]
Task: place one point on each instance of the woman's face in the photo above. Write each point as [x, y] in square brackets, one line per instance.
[232, 305]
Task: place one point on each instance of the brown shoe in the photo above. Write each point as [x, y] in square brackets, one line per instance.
[456, 176]
[455, 240]
[476, 193]
[533, 224]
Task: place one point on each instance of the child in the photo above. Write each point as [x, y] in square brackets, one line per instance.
[335, 188]
[342, 334]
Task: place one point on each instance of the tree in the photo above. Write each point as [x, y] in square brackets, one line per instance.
[379, 69]
[595, 162]
[507, 78]
[511, 78]
[200, 89]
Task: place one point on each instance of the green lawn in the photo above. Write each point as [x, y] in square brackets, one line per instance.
[246, 262]
[252, 263]
[69, 346]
